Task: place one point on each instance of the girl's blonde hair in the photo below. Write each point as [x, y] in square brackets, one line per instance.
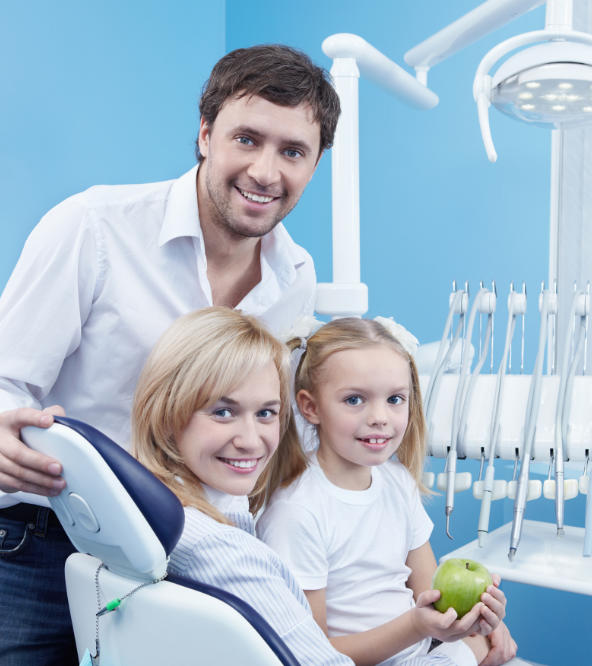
[353, 333]
[199, 359]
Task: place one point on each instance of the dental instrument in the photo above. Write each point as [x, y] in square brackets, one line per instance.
[458, 303]
[547, 307]
[516, 306]
[457, 413]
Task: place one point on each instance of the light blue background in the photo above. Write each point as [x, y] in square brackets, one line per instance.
[108, 92]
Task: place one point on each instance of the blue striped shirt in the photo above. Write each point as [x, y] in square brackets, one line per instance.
[234, 560]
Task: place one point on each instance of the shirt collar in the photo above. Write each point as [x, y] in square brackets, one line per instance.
[181, 217]
[278, 251]
[224, 502]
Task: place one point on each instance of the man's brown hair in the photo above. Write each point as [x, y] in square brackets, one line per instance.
[277, 73]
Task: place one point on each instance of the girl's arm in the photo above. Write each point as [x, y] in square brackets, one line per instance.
[368, 648]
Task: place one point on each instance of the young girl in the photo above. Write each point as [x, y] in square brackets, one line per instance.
[212, 420]
[352, 527]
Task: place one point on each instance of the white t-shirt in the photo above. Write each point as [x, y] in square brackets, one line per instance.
[352, 543]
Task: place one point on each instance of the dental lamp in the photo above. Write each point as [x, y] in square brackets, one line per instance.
[548, 84]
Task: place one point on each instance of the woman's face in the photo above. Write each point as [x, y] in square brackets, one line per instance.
[228, 444]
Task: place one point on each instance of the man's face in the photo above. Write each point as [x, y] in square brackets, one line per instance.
[258, 158]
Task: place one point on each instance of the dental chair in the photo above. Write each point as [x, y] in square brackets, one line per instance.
[124, 522]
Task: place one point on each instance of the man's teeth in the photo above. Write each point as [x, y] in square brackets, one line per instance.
[243, 464]
[257, 198]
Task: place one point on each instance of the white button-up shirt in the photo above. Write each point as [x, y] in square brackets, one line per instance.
[99, 280]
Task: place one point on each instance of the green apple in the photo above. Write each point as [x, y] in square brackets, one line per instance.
[461, 583]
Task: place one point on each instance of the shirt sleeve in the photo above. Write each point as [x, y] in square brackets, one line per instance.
[294, 533]
[240, 564]
[45, 303]
[421, 524]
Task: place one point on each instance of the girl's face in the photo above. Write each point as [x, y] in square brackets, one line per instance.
[361, 409]
[227, 444]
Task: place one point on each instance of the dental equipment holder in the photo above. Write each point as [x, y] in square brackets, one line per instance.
[517, 413]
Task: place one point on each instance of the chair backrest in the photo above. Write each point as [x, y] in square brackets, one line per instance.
[117, 513]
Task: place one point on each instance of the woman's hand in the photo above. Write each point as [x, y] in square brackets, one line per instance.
[502, 647]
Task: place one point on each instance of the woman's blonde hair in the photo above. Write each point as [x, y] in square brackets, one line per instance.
[199, 359]
[354, 333]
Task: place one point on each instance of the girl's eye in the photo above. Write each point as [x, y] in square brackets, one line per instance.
[222, 413]
[395, 399]
[353, 400]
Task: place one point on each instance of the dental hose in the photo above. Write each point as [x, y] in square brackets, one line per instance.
[559, 453]
[459, 401]
[532, 410]
[567, 368]
[442, 357]
[483, 525]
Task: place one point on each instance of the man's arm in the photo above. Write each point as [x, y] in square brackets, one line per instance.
[42, 310]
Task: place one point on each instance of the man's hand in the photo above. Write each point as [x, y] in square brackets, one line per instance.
[21, 468]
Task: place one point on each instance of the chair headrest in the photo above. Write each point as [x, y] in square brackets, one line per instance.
[112, 507]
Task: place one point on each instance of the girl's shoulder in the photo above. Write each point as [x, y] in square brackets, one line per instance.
[302, 489]
[394, 472]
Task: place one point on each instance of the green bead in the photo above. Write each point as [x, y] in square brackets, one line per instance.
[112, 605]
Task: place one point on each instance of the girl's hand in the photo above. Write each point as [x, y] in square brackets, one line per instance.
[494, 607]
[445, 626]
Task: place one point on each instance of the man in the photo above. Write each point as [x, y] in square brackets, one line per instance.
[107, 270]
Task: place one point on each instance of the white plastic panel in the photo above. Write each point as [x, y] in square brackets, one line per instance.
[542, 559]
[512, 417]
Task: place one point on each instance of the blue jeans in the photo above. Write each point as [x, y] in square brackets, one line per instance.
[35, 625]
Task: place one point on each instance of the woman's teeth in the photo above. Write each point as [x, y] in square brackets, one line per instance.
[242, 464]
